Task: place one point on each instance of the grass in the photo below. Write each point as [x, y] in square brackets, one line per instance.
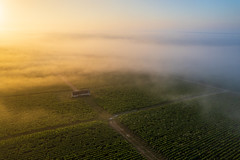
[92, 140]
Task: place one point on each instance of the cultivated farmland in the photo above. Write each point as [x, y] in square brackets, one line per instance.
[52, 125]
[19, 114]
[196, 129]
[91, 140]
[138, 91]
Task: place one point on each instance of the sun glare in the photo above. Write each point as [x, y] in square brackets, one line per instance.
[2, 19]
[1, 15]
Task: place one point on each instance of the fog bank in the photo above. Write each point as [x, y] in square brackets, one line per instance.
[36, 59]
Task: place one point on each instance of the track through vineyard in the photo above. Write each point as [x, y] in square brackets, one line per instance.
[44, 129]
[104, 115]
[131, 138]
[135, 141]
[175, 101]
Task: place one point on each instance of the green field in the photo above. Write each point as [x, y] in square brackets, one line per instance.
[138, 91]
[92, 140]
[199, 129]
[46, 123]
[30, 108]
[19, 114]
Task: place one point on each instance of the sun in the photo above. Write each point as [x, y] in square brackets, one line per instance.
[1, 15]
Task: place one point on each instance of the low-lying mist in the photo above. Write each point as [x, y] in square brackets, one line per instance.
[37, 60]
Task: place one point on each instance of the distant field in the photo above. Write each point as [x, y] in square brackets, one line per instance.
[25, 113]
[138, 91]
[92, 140]
[117, 92]
[208, 128]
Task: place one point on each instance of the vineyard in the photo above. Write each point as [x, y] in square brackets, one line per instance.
[197, 129]
[143, 93]
[52, 125]
[117, 99]
[92, 140]
[25, 113]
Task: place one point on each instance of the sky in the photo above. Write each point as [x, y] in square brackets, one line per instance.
[117, 16]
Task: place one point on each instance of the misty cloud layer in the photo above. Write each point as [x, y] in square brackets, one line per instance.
[208, 57]
[177, 38]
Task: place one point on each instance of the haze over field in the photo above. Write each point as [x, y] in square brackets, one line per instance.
[39, 60]
[119, 79]
[40, 40]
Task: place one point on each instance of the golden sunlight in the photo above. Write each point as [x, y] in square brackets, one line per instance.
[1, 15]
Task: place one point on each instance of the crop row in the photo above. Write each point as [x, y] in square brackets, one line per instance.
[190, 130]
[25, 113]
[118, 99]
[92, 140]
[124, 97]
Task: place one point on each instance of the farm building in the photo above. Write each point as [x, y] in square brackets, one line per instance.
[80, 93]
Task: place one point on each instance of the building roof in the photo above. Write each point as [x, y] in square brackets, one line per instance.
[83, 91]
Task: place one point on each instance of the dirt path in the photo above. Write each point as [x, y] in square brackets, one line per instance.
[200, 84]
[135, 141]
[172, 102]
[130, 137]
[139, 144]
[44, 129]
[102, 114]
[209, 86]
[35, 93]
